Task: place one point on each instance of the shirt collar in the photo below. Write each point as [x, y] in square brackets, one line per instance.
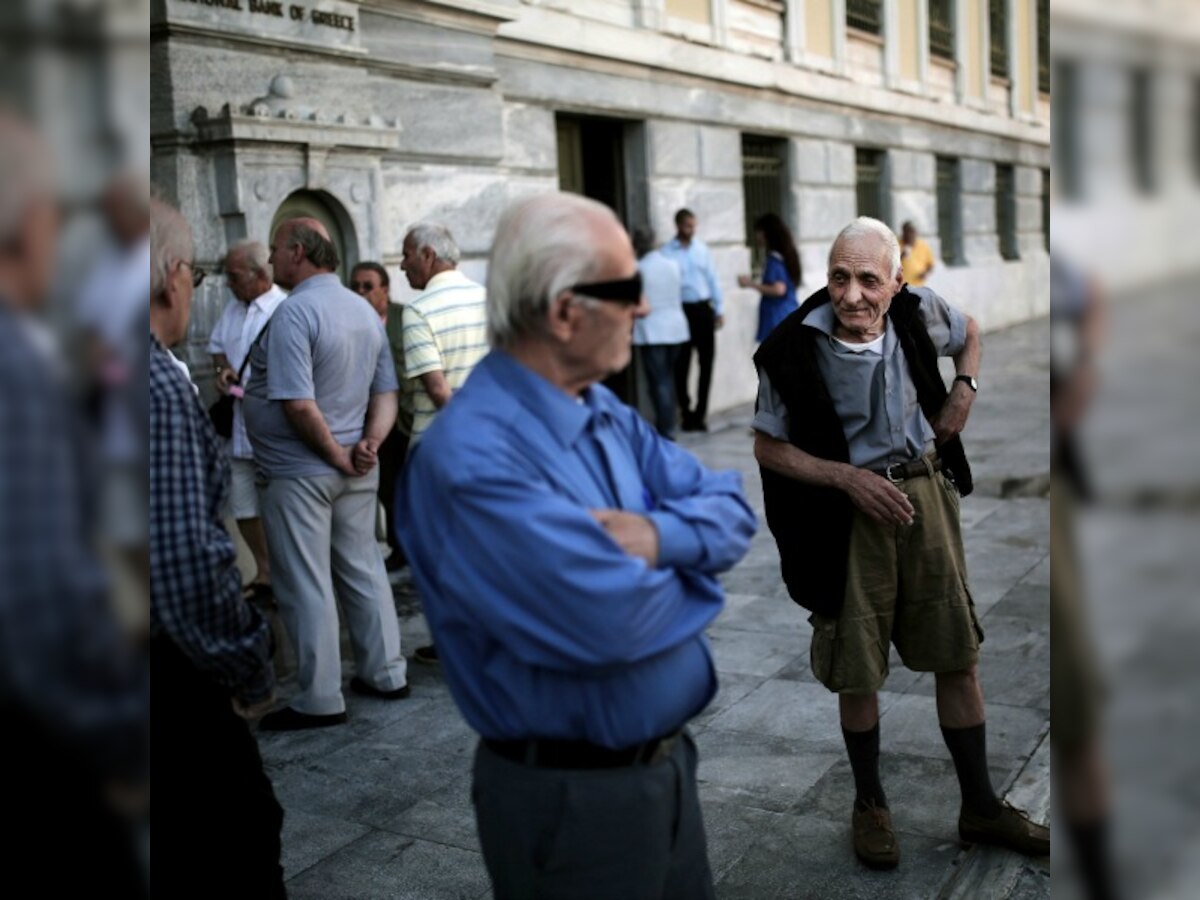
[264, 300]
[441, 279]
[563, 415]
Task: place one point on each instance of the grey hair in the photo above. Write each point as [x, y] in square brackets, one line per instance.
[256, 254]
[170, 243]
[318, 249]
[865, 226]
[26, 172]
[437, 238]
[544, 244]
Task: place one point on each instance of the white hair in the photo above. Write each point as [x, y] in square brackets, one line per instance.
[170, 243]
[437, 238]
[26, 172]
[544, 245]
[864, 226]
[255, 254]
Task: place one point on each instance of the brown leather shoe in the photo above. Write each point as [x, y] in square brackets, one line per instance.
[1012, 829]
[874, 840]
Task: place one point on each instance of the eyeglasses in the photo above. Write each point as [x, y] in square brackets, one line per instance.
[626, 291]
[362, 286]
[198, 273]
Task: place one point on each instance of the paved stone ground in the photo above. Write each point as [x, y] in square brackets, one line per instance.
[380, 807]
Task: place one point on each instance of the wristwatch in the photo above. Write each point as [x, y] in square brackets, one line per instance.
[969, 381]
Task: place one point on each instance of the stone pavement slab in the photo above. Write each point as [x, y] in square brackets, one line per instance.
[380, 807]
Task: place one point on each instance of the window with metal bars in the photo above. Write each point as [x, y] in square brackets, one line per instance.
[998, 26]
[941, 28]
[1043, 38]
[865, 15]
[949, 210]
[869, 180]
[1141, 121]
[1006, 211]
[762, 186]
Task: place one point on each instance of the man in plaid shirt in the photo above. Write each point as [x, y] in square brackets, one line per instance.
[211, 651]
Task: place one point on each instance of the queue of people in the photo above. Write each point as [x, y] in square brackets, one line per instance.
[566, 552]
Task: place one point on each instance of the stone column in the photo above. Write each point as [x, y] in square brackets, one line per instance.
[914, 193]
[822, 200]
[981, 243]
[1030, 240]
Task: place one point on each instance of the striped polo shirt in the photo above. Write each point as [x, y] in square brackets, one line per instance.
[445, 328]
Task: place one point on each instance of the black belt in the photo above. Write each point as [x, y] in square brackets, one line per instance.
[917, 468]
[547, 754]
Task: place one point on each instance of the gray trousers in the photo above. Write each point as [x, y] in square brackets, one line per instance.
[321, 534]
[635, 832]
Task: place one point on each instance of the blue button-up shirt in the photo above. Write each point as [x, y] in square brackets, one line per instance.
[544, 625]
[699, 275]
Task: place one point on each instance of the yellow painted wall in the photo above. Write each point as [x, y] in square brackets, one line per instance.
[910, 67]
[693, 10]
[975, 49]
[1026, 55]
[818, 25]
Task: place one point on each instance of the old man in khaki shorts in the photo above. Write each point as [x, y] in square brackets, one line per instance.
[862, 471]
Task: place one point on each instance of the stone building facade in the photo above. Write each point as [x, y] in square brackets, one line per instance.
[376, 115]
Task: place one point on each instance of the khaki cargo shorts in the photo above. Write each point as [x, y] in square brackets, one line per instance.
[905, 585]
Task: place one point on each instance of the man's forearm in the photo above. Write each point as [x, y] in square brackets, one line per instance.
[966, 361]
[437, 387]
[789, 460]
[381, 417]
[305, 416]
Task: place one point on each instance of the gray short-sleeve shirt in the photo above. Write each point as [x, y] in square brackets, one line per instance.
[872, 391]
[325, 344]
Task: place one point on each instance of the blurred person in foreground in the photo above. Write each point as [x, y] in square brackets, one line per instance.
[111, 313]
[862, 468]
[662, 333]
[218, 829]
[73, 690]
[567, 556]
[370, 281]
[255, 298]
[321, 401]
[1076, 685]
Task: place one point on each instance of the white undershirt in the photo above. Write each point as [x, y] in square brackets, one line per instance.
[875, 346]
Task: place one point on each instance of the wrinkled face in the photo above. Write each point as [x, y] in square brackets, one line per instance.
[40, 239]
[180, 290]
[602, 343]
[686, 228]
[862, 285]
[285, 257]
[416, 264]
[243, 280]
[368, 285]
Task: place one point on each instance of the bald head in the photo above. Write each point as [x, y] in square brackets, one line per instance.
[301, 249]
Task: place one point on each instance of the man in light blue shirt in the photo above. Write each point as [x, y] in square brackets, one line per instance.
[704, 308]
[660, 335]
[567, 558]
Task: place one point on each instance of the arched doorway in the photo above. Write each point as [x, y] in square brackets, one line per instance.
[326, 210]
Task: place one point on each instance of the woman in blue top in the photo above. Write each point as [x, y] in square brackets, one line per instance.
[781, 274]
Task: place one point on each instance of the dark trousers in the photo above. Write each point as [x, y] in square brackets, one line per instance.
[391, 460]
[634, 832]
[658, 362]
[216, 820]
[702, 326]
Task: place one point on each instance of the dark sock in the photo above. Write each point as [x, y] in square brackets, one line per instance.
[863, 747]
[1090, 843]
[968, 748]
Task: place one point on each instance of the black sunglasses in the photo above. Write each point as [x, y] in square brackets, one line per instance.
[198, 274]
[362, 286]
[625, 290]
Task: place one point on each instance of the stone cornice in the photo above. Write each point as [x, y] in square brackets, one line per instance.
[284, 128]
[550, 36]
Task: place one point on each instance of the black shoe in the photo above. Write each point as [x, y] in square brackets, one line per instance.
[695, 426]
[369, 690]
[427, 655]
[288, 719]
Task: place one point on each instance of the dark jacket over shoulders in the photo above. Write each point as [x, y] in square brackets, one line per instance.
[811, 523]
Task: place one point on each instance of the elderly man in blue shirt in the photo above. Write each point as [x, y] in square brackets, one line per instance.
[567, 556]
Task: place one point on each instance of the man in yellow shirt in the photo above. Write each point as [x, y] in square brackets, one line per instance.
[915, 256]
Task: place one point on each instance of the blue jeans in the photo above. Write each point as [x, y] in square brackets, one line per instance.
[658, 362]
